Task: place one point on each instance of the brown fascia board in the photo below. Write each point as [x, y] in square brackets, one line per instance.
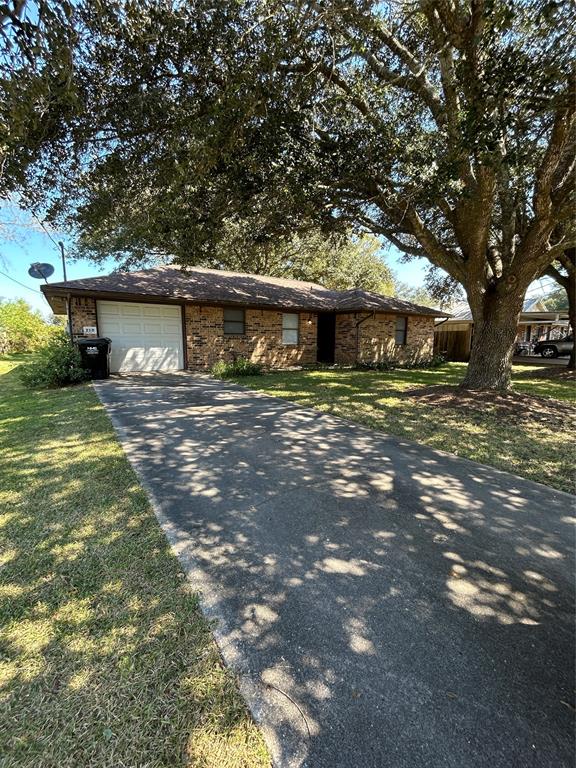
[146, 298]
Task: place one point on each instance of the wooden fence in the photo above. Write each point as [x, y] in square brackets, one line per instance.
[455, 345]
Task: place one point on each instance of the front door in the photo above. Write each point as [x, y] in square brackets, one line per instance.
[326, 337]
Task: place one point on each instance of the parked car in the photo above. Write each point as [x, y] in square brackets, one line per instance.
[523, 348]
[555, 347]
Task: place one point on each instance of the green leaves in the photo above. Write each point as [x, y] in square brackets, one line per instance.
[57, 364]
[23, 329]
[144, 127]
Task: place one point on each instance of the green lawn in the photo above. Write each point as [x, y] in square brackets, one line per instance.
[528, 432]
[105, 659]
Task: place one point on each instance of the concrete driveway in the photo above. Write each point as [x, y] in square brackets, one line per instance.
[384, 604]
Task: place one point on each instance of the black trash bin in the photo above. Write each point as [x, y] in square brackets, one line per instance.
[95, 354]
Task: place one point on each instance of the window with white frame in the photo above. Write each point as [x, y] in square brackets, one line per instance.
[233, 322]
[401, 330]
[290, 328]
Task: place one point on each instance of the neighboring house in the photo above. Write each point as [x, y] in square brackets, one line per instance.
[172, 318]
[453, 336]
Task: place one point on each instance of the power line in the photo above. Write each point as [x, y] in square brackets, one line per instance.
[45, 230]
[22, 284]
[543, 285]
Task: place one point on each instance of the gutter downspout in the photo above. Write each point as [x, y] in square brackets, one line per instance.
[69, 313]
[358, 324]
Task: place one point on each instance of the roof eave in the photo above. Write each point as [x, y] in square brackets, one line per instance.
[153, 298]
[61, 290]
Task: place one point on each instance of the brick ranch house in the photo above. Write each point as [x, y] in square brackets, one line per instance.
[172, 318]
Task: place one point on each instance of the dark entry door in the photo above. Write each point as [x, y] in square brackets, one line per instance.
[326, 337]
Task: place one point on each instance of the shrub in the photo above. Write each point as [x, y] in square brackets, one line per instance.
[437, 360]
[239, 367]
[389, 365]
[57, 364]
[23, 329]
[381, 365]
[434, 362]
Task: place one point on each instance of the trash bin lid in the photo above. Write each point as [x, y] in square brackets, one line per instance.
[100, 341]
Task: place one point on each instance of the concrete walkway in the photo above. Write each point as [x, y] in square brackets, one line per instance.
[385, 605]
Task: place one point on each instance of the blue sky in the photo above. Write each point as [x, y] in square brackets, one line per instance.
[26, 243]
[27, 246]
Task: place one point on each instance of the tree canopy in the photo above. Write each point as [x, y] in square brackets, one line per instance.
[23, 329]
[337, 261]
[447, 128]
[557, 300]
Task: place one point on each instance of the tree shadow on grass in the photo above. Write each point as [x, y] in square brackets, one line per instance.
[364, 586]
[106, 659]
[514, 431]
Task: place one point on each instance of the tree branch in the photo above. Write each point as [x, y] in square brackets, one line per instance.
[414, 85]
[554, 155]
[439, 255]
[561, 279]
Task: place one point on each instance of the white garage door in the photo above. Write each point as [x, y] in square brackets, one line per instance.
[145, 337]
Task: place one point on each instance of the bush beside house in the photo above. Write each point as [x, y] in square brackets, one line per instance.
[238, 367]
[57, 364]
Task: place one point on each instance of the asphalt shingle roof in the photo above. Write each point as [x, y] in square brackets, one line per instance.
[211, 286]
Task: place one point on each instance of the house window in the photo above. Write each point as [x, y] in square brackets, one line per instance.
[233, 322]
[289, 329]
[401, 330]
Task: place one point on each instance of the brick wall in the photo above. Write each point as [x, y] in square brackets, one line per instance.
[377, 339]
[83, 314]
[374, 339]
[261, 342]
[345, 350]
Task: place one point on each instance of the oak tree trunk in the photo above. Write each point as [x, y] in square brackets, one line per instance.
[493, 337]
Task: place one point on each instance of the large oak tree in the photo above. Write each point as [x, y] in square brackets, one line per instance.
[446, 127]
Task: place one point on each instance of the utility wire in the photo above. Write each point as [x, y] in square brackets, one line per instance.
[19, 283]
[46, 230]
[57, 244]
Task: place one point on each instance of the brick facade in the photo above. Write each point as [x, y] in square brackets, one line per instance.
[371, 339]
[83, 315]
[261, 342]
[377, 340]
[346, 348]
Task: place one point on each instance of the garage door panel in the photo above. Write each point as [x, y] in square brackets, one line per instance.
[164, 312]
[113, 328]
[132, 327]
[145, 337]
[132, 309]
[147, 359]
[149, 327]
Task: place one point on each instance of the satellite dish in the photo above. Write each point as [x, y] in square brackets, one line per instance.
[41, 271]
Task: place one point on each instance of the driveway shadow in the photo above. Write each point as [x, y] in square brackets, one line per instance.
[383, 603]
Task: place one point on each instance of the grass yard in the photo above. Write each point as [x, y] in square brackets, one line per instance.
[105, 659]
[528, 431]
